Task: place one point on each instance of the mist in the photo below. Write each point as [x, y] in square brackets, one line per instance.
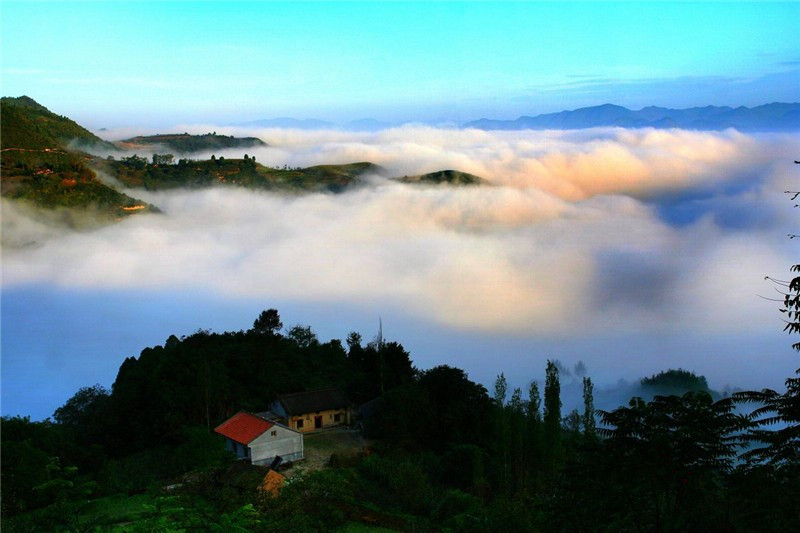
[631, 250]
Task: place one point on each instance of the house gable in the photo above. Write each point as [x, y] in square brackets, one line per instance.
[278, 440]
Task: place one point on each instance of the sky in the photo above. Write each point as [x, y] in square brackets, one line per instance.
[633, 251]
[109, 64]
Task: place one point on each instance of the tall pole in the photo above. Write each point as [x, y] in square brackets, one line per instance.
[380, 348]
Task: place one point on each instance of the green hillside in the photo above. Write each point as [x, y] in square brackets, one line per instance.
[139, 172]
[185, 143]
[26, 124]
[38, 167]
[449, 177]
[42, 164]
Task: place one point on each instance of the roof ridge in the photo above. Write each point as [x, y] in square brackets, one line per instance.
[308, 392]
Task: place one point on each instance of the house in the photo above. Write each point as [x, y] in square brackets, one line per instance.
[313, 410]
[260, 440]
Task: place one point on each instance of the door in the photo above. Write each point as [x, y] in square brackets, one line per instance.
[317, 422]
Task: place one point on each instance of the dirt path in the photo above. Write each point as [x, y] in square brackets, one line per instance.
[319, 447]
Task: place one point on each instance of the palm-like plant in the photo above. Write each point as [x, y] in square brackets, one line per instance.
[782, 445]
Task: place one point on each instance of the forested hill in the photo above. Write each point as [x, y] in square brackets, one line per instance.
[446, 177]
[185, 143]
[48, 162]
[42, 166]
[26, 124]
[443, 455]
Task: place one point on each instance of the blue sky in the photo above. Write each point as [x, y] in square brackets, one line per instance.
[655, 242]
[117, 63]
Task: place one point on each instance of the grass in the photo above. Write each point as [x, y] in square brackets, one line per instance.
[107, 512]
[118, 508]
[358, 527]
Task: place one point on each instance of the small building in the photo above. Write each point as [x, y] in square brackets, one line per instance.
[313, 410]
[260, 440]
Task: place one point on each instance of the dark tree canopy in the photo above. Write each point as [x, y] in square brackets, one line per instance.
[268, 321]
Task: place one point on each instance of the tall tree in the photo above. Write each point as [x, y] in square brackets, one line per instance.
[553, 452]
[516, 411]
[533, 438]
[268, 321]
[500, 390]
[502, 432]
[589, 423]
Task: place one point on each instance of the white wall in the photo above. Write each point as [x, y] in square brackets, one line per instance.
[286, 443]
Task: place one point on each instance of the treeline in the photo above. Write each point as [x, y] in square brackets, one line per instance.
[446, 454]
[172, 396]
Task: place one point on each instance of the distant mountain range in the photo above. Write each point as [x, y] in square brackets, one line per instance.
[364, 124]
[768, 117]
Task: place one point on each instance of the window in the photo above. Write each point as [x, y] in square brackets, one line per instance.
[337, 417]
[274, 434]
[299, 423]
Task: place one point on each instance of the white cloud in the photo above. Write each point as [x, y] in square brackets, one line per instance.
[570, 240]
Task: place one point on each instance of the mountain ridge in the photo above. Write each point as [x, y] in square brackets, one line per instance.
[776, 116]
[186, 143]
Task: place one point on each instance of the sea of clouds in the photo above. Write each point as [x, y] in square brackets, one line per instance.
[576, 227]
[581, 233]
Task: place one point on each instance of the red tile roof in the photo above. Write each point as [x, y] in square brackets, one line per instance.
[243, 427]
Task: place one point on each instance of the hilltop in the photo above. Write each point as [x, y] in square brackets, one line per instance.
[444, 177]
[163, 173]
[26, 124]
[428, 449]
[42, 167]
[185, 143]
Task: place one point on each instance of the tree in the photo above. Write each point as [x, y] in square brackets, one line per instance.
[782, 446]
[353, 342]
[135, 161]
[552, 418]
[669, 456]
[589, 424]
[516, 412]
[661, 466]
[460, 406]
[533, 438]
[163, 159]
[500, 389]
[86, 414]
[534, 411]
[303, 336]
[268, 321]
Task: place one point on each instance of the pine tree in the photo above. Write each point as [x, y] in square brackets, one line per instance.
[502, 432]
[533, 438]
[589, 423]
[553, 451]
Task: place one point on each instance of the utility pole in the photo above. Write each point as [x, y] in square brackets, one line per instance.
[380, 348]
